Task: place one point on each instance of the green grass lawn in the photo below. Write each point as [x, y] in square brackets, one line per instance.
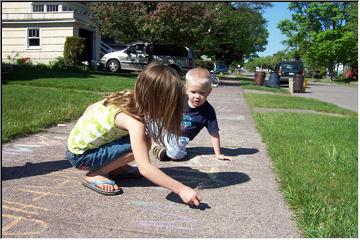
[316, 158]
[293, 102]
[247, 83]
[97, 82]
[36, 99]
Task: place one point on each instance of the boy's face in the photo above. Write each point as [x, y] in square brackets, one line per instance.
[197, 94]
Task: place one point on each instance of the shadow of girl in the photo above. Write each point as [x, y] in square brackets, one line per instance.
[193, 178]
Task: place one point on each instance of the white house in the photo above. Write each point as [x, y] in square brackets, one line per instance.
[38, 29]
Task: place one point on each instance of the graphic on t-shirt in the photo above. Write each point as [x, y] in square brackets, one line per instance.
[186, 121]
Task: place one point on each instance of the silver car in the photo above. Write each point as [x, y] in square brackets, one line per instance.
[138, 55]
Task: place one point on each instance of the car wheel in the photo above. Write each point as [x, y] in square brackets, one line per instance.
[113, 65]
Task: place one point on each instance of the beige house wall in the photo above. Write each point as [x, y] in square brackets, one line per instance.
[52, 39]
[11, 7]
[54, 28]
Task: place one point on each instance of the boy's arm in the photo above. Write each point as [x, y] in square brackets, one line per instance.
[215, 140]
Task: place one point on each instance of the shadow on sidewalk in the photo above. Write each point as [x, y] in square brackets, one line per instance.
[193, 178]
[226, 151]
[33, 169]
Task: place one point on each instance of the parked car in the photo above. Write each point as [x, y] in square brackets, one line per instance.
[220, 67]
[288, 69]
[139, 54]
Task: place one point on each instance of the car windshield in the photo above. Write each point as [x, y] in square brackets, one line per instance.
[289, 67]
[170, 50]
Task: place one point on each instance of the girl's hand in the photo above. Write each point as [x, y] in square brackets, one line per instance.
[223, 157]
[190, 196]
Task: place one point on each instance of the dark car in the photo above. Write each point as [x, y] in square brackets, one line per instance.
[287, 69]
[220, 67]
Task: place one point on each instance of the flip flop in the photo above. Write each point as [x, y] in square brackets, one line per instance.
[93, 186]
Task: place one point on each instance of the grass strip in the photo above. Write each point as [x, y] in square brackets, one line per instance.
[247, 83]
[293, 102]
[27, 109]
[316, 159]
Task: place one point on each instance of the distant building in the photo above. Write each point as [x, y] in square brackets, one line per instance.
[37, 30]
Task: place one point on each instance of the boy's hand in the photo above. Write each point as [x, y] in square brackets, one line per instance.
[190, 196]
[223, 157]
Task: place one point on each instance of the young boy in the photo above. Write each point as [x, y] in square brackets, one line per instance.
[198, 113]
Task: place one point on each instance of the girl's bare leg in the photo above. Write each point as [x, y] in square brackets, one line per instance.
[102, 173]
[122, 169]
[120, 164]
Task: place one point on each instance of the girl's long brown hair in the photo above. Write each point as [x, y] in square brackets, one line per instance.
[157, 100]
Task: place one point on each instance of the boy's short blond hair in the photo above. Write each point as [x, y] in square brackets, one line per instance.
[199, 76]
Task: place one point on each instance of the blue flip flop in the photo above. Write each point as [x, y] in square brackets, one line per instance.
[93, 186]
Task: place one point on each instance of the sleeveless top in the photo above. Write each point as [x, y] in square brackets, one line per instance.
[95, 128]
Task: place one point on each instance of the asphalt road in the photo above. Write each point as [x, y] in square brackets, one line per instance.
[340, 95]
[42, 195]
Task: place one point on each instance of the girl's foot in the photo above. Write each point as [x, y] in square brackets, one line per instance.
[106, 187]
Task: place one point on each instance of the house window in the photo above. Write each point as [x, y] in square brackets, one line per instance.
[33, 36]
[52, 8]
[45, 7]
[38, 8]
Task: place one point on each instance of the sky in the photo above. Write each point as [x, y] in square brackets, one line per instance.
[273, 15]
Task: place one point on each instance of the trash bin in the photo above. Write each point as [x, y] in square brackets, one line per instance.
[260, 78]
[298, 83]
[274, 80]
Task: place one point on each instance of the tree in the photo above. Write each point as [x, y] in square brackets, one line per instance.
[218, 30]
[321, 32]
[234, 34]
[268, 62]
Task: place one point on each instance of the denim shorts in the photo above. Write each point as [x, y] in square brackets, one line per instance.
[96, 158]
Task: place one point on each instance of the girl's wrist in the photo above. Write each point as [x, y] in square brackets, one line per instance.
[183, 188]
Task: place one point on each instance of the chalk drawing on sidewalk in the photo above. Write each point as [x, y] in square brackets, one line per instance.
[41, 141]
[20, 207]
[22, 223]
[23, 219]
[39, 194]
[21, 148]
[51, 141]
[173, 216]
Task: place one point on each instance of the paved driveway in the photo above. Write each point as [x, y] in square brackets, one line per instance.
[343, 96]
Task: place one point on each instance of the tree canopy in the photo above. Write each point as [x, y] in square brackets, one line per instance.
[323, 33]
[220, 30]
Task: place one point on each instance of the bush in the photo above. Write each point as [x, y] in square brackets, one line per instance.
[209, 65]
[24, 60]
[42, 66]
[58, 64]
[74, 51]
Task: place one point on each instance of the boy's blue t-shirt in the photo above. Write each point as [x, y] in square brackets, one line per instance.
[194, 119]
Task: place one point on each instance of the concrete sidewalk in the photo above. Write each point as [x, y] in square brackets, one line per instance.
[42, 195]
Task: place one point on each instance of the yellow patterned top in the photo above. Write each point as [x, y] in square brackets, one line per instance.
[94, 128]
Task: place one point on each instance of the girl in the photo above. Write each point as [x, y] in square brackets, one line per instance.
[115, 131]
